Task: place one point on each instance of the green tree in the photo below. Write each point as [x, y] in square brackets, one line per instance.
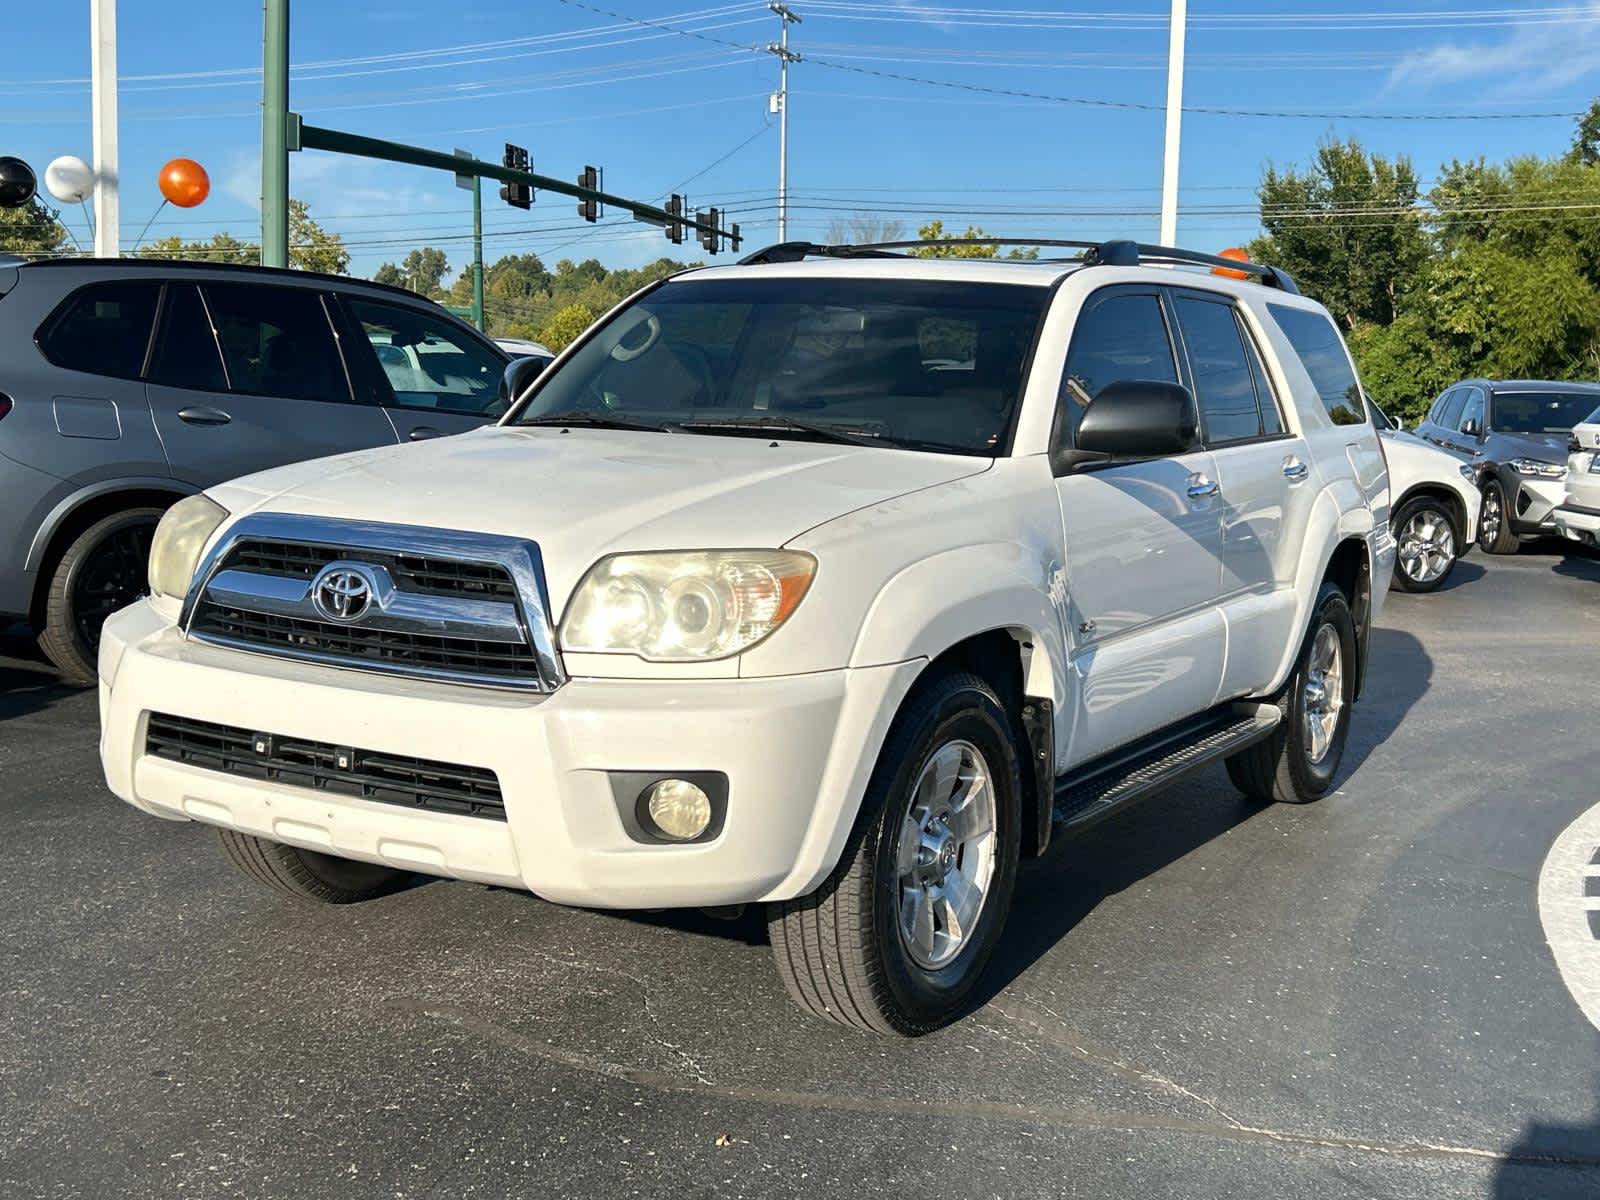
[934, 230]
[564, 325]
[32, 231]
[424, 270]
[1586, 142]
[390, 274]
[311, 247]
[219, 248]
[1347, 228]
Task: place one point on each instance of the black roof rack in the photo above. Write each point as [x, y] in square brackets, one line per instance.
[135, 263]
[1094, 254]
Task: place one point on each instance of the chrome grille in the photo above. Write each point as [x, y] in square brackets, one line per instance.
[323, 766]
[467, 608]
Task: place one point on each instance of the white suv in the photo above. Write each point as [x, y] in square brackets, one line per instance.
[834, 581]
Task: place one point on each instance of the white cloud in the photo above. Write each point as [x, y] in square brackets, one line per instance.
[1534, 58]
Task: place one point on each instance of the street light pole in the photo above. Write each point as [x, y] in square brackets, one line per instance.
[103, 73]
[781, 100]
[275, 134]
[1169, 170]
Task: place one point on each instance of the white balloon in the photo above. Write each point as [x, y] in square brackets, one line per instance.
[69, 179]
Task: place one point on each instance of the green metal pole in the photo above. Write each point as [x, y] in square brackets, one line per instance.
[477, 254]
[274, 134]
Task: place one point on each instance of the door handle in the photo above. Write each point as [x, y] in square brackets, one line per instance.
[1294, 469]
[1201, 487]
[203, 416]
[423, 432]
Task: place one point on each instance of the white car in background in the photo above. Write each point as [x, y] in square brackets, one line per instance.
[1435, 510]
[523, 348]
[1578, 515]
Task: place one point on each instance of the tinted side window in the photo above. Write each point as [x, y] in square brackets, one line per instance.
[1123, 336]
[1223, 388]
[276, 341]
[103, 329]
[429, 363]
[1472, 410]
[1436, 413]
[186, 347]
[1266, 398]
[1322, 351]
[1452, 409]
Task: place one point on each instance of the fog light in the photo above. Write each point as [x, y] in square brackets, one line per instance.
[678, 809]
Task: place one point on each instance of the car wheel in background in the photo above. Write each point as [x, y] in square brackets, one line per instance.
[1297, 763]
[1428, 541]
[307, 874]
[104, 569]
[896, 938]
[1494, 524]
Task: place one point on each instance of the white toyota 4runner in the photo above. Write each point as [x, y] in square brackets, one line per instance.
[833, 581]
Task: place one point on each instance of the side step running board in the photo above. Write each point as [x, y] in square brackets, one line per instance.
[1116, 780]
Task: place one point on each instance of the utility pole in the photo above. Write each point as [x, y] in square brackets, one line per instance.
[780, 104]
[275, 133]
[478, 318]
[1169, 169]
[103, 72]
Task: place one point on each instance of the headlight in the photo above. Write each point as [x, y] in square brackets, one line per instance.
[179, 538]
[685, 606]
[1532, 466]
[1468, 472]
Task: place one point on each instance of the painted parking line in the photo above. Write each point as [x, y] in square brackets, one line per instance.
[1569, 909]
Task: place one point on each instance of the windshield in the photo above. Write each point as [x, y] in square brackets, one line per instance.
[1540, 412]
[913, 363]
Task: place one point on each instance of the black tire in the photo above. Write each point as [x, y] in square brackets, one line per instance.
[1281, 767]
[839, 950]
[1441, 511]
[308, 875]
[1495, 536]
[103, 569]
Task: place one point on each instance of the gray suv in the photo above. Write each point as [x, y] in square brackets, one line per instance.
[126, 385]
[1514, 434]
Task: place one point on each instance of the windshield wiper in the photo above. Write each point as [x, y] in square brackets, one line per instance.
[776, 425]
[596, 421]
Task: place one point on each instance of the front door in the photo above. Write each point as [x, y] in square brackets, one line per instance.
[247, 377]
[1142, 545]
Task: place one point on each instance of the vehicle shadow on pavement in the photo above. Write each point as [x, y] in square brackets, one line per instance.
[1461, 575]
[1578, 564]
[28, 683]
[1551, 1159]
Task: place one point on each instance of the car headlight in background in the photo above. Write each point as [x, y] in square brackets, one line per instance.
[180, 537]
[685, 606]
[1541, 470]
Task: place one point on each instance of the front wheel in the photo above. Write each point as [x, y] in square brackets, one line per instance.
[1425, 532]
[308, 875]
[898, 935]
[1494, 523]
[1297, 762]
[102, 570]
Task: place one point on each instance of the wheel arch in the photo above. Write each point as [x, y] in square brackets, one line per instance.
[1451, 499]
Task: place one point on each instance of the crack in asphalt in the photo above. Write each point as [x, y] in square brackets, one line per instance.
[1055, 1116]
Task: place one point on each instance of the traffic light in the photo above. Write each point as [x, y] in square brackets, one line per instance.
[674, 225]
[709, 238]
[518, 195]
[589, 207]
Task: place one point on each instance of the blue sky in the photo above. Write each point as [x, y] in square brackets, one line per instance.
[656, 109]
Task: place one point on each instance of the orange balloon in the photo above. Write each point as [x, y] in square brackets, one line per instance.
[184, 182]
[1237, 255]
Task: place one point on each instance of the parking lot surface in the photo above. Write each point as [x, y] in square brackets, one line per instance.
[1201, 998]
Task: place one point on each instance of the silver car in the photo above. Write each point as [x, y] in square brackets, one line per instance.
[126, 385]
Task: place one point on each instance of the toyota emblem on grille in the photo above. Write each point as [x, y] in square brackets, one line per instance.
[343, 591]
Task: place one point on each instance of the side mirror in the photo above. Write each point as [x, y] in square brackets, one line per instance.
[514, 381]
[1470, 429]
[1136, 418]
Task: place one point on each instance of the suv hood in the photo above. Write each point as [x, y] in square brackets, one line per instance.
[586, 493]
[1547, 447]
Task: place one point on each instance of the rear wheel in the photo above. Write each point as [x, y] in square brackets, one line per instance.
[306, 874]
[103, 569]
[1494, 524]
[1426, 534]
[1297, 763]
[898, 935]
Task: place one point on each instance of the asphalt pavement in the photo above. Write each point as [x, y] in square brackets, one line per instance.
[1202, 998]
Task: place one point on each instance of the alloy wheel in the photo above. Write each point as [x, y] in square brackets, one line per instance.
[1427, 546]
[1322, 696]
[110, 577]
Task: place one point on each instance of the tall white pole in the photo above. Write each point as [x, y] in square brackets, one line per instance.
[103, 73]
[781, 100]
[1169, 169]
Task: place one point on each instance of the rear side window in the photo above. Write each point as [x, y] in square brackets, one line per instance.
[1119, 337]
[276, 341]
[1450, 409]
[186, 346]
[1322, 351]
[103, 329]
[1223, 388]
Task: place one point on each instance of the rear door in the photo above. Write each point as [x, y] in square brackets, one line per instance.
[1263, 478]
[1142, 542]
[247, 376]
[429, 374]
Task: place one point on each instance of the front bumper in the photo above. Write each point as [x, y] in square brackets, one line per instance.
[1579, 523]
[797, 751]
[1532, 504]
